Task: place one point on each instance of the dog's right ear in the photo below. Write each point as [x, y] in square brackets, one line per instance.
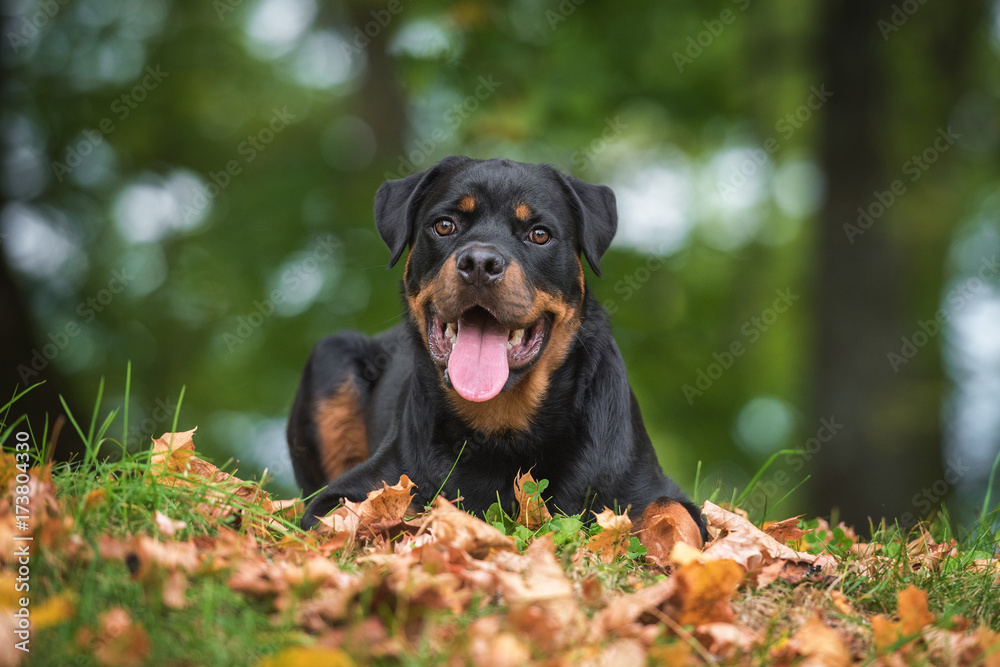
[397, 202]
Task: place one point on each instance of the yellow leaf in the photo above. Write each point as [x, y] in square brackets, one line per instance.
[313, 656]
[613, 539]
[53, 611]
[913, 612]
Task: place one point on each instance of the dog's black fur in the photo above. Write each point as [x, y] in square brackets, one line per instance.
[581, 428]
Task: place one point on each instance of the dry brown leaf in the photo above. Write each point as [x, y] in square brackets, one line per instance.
[118, 642]
[613, 540]
[914, 615]
[490, 646]
[841, 604]
[885, 632]
[542, 605]
[789, 571]
[786, 530]
[989, 644]
[703, 592]
[820, 645]
[533, 512]
[382, 509]
[464, 531]
[739, 540]
[725, 639]
[390, 503]
[627, 609]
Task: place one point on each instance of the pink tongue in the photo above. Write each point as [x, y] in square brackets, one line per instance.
[478, 363]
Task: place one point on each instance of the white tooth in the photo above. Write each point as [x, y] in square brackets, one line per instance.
[451, 333]
[516, 338]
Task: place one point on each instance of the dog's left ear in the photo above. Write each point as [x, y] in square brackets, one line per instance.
[596, 217]
[397, 202]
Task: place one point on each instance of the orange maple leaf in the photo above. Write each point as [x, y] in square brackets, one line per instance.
[533, 512]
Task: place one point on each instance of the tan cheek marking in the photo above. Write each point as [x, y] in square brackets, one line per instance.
[343, 441]
[428, 289]
[522, 212]
[467, 204]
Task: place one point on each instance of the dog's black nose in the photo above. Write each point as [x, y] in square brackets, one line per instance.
[480, 265]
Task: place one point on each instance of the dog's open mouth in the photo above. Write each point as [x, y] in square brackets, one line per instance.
[480, 352]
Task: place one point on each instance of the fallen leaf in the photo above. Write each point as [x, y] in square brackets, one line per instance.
[541, 600]
[627, 609]
[841, 604]
[55, 610]
[913, 613]
[489, 646]
[613, 540]
[725, 639]
[820, 645]
[739, 540]
[533, 512]
[703, 592]
[784, 531]
[117, 642]
[464, 531]
[312, 656]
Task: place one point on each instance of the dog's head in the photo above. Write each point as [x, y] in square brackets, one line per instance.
[493, 279]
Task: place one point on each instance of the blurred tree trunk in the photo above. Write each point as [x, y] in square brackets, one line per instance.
[877, 463]
[17, 348]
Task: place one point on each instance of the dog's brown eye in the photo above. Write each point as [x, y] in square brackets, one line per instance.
[444, 227]
[539, 235]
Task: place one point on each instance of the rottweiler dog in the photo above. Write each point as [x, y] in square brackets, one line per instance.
[505, 361]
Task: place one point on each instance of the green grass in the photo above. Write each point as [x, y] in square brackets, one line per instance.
[116, 496]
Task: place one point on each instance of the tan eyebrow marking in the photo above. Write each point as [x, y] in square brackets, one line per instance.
[467, 204]
[522, 212]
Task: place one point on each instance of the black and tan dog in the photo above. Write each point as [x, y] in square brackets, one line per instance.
[504, 350]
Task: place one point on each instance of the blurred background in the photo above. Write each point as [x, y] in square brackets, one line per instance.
[808, 197]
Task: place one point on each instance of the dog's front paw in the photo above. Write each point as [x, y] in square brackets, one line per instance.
[664, 523]
[321, 505]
